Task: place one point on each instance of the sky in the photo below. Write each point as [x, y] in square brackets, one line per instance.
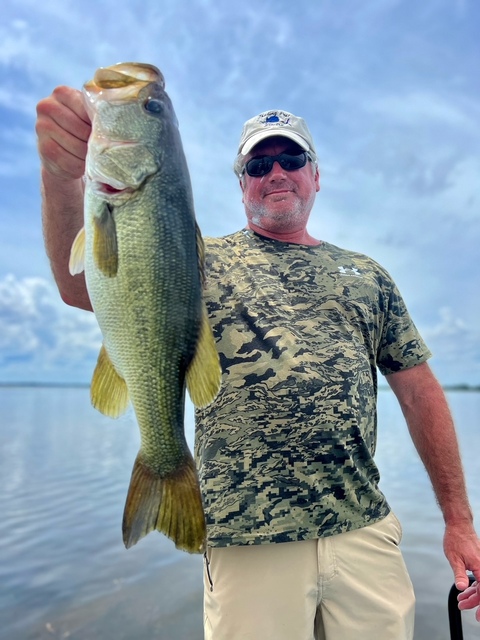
[389, 89]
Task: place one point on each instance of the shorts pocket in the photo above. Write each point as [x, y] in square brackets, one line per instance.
[398, 526]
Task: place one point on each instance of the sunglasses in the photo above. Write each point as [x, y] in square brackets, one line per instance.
[258, 167]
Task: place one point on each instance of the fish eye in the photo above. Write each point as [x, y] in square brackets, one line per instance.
[153, 106]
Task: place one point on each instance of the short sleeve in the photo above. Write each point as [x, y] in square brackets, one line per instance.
[401, 345]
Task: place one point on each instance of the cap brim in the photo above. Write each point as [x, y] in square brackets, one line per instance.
[262, 135]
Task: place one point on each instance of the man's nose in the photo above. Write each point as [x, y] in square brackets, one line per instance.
[276, 171]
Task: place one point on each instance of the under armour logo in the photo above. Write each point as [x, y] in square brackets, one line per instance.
[350, 271]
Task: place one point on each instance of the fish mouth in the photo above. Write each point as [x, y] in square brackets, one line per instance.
[122, 82]
[126, 73]
[108, 188]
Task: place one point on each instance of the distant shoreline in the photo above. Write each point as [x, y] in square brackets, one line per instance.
[86, 385]
[55, 385]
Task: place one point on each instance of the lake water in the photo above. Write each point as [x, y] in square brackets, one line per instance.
[64, 573]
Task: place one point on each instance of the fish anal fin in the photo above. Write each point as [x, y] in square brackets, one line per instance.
[108, 391]
[204, 373]
[105, 247]
[76, 263]
[171, 504]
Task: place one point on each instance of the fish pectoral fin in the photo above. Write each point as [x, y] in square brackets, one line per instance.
[204, 373]
[108, 391]
[76, 264]
[171, 504]
[105, 247]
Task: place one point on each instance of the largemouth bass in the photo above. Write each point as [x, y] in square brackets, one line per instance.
[143, 255]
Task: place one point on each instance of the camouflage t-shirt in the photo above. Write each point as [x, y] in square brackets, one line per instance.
[285, 452]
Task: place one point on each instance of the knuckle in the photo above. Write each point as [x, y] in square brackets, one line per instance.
[61, 91]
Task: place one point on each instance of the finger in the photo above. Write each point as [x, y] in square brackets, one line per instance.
[468, 592]
[62, 133]
[467, 595]
[74, 100]
[62, 154]
[48, 129]
[54, 114]
[60, 162]
[469, 603]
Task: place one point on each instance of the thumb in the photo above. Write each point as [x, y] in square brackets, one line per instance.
[461, 580]
[460, 575]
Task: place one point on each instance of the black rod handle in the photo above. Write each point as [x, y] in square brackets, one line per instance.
[454, 613]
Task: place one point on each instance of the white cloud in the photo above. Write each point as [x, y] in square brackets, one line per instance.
[419, 108]
[39, 334]
[14, 43]
[449, 325]
[16, 100]
[387, 87]
[17, 152]
[455, 343]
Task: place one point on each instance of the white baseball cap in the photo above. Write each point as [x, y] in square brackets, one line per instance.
[273, 123]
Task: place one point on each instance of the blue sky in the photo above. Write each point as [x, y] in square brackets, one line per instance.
[389, 88]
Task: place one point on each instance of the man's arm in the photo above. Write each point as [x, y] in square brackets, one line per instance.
[431, 427]
[63, 128]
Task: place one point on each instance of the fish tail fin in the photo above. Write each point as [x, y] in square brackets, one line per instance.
[171, 504]
[204, 374]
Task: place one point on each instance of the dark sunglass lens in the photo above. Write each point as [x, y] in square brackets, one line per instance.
[290, 163]
[257, 167]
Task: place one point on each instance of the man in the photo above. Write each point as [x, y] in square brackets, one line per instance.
[301, 542]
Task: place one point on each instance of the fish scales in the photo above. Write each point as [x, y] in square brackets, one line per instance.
[143, 258]
[133, 353]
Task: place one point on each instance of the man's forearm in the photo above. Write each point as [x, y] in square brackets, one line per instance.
[431, 427]
[62, 218]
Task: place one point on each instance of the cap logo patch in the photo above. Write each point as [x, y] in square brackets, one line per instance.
[276, 118]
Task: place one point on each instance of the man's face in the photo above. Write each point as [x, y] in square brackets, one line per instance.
[281, 200]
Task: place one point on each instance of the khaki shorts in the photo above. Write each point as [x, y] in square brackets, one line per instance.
[351, 586]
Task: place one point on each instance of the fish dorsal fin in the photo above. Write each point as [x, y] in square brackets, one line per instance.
[105, 248]
[200, 255]
[204, 372]
[108, 392]
[76, 263]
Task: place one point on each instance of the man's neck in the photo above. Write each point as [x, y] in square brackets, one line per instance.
[295, 237]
